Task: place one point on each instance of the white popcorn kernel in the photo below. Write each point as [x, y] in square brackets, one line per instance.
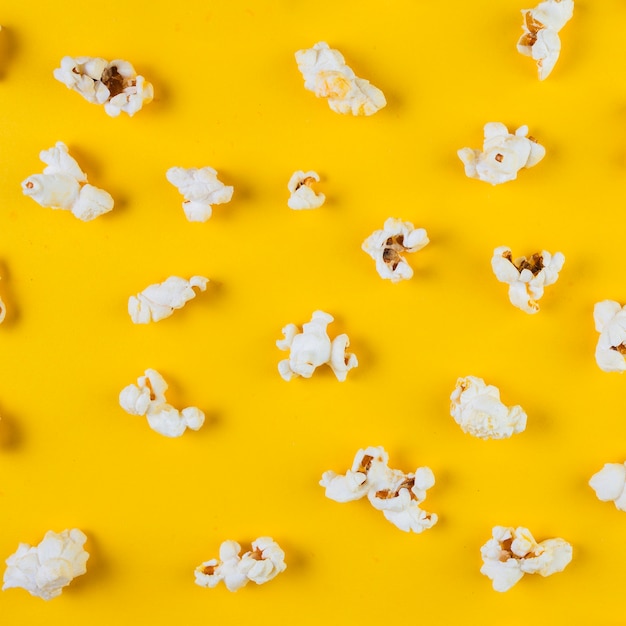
[503, 154]
[201, 189]
[327, 76]
[610, 321]
[477, 409]
[265, 561]
[610, 484]
[387, 247]
[158, 301]
[44, 570]
[147, 398]
[303, 195]
[3, 311]
[312, 347]
[114, 84]
[513, 552]
[526, 277]
[540, 39]
[63, 185]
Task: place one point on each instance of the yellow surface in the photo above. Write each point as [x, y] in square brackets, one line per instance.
[229, 95]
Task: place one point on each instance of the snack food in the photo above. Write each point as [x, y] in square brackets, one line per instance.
[610, 321]
[610, 484]
[303, 195]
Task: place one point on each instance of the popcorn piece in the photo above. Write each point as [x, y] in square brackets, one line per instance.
[540, 39]
[303, 195]
[45, 569]
[387, 247]
[503, 155]
[63, 185]
[312, 347]
[147, 398]
[201, 189]
[477, 409]
[265, 561]
[610, 321]
[610, 484]
[114, 84]
[513, 552]
[526, 277]
[159, 301]
[327, 76]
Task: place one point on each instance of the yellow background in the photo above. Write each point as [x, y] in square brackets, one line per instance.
[229, 95]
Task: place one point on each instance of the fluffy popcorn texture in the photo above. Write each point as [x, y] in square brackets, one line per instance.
[303, 195]
[147, 398]
[610, 484]
[260, 564]
[477, 409]
[610, 321]
[327, 76]
[513, 552]
[312, 347]
[540, 39]
[526, 277]
[44, 570]
[503, 154]
[114, 84]
[63, 185]
[201, 189]
[396, 494]
[158, 301]
[387, 247]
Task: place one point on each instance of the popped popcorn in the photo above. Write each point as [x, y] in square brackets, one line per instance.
[147, 398]
[610, 321]
[114, 84]
[312, 347]
[610, 484]
[503, 154]
[396, 494]
[513, 552]
[477, 409]
[540, 39]
[201, 189]
[326, 74]
[260, 564]
[63, 185]
[387, 247]
[160, 300]
[303, 195]
[526, 277]
[44, 570]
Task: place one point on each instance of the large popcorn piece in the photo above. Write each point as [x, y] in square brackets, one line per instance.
[503, 155]
[477, 409]
[396, 494]
[526, 277]
[265, 561]
[327, 76]
[45, 569]
[610, 484]
[513, 552]
[114, 84]
[160, 300]
[388, 246]
[540, 39]
[303, 196]
[147, 398]
[201, 189]
[312, 347]
[63, 185]
[610, 320]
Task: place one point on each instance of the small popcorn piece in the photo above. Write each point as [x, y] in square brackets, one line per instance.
[303, 195]
[147, 398]
[160, 300]
[513, 552]
[540, 39]
[610, 484]
[610, 321]
[387, 247]
[201, 189]
[526, 277]
[503, 154]
[44, 570]
[477, 409]
[312, 347]
[327, 76]
[63, 185]
[114, 84]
